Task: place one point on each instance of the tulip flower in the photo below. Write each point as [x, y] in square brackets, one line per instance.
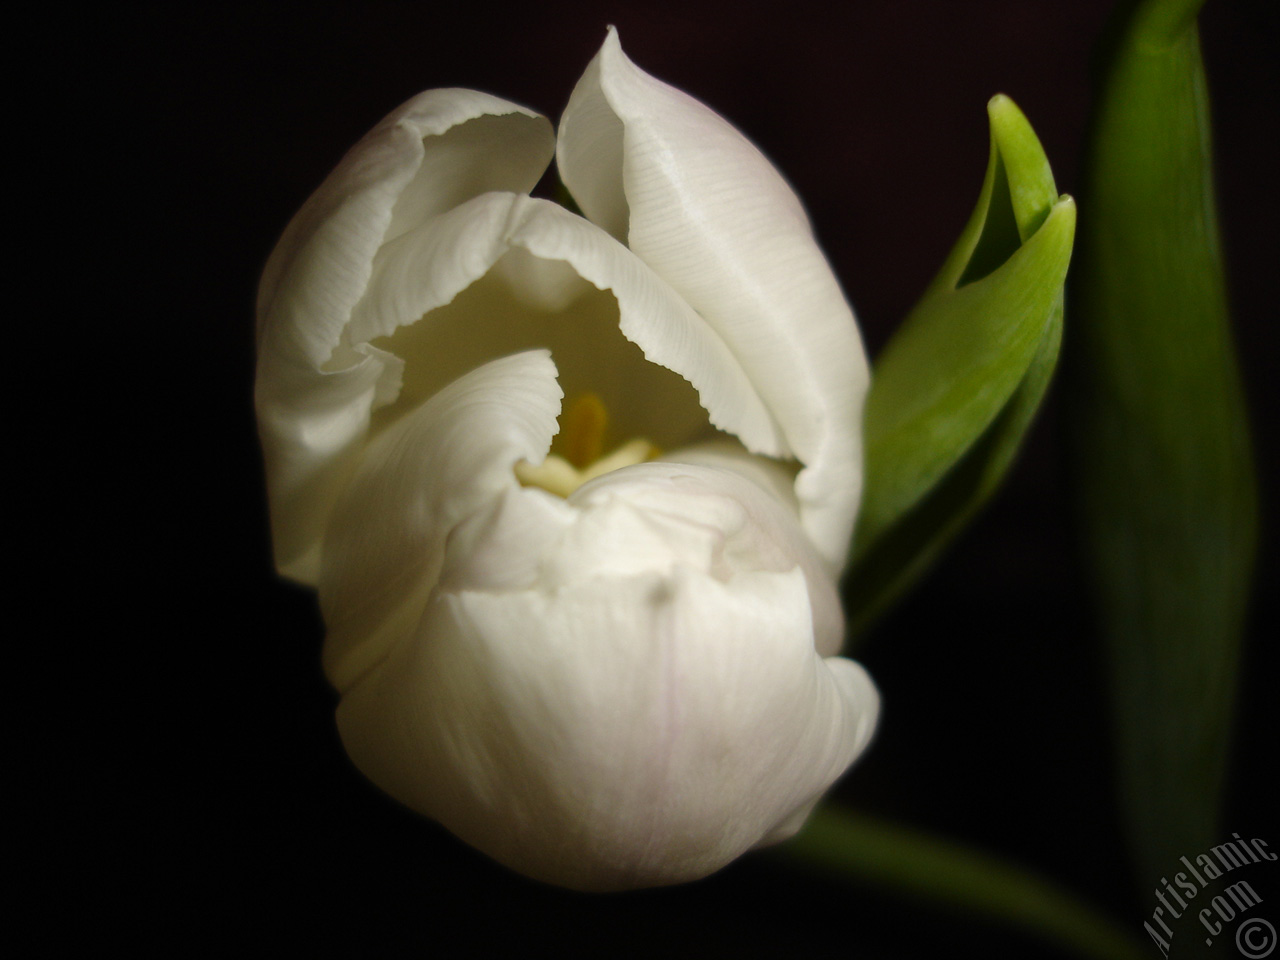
[574, 490]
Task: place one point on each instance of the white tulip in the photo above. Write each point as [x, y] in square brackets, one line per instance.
[610, 660]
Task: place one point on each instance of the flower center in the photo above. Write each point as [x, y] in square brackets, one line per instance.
[576, 453]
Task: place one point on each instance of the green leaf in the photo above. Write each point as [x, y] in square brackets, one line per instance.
[886, 856]
[1161, 453]
[955, 390]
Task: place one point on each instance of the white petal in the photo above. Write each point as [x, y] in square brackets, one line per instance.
[615, 733]
[443, 463]
[860, 693]
[526, 242]
[313, 391]
[772, 476]
[742, 526]
[702, 206]
[705, 509]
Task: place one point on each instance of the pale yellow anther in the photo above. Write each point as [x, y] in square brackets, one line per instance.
[576, 452]
[554, 474]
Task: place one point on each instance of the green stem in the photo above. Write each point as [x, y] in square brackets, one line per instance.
[877, 853]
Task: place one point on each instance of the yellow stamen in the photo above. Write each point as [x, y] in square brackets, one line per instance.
[578, 451]
[582, 426]
[554, 474]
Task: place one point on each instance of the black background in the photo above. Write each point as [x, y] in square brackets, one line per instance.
[229, 810]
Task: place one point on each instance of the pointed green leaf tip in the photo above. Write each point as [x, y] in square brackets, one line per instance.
[953, 393]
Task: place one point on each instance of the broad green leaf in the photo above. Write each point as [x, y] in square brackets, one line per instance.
[955, 390]
[1162, 452]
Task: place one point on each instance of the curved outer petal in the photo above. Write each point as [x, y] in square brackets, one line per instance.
[314, 391]
[701, 205]
[434, 468]
[615, 733]
[620, 690]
